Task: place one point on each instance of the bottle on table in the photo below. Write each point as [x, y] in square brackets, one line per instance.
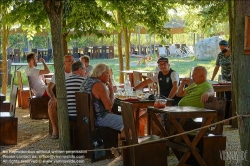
[127, 86]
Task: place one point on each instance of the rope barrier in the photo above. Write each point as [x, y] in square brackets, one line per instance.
[113, 149]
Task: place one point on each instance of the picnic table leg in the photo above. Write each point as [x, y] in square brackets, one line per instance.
[189, 144]
[182, 122]
[153, 116]
[158, 124]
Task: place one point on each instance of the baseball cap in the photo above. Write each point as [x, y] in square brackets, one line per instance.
[162, 59]
[223, 42]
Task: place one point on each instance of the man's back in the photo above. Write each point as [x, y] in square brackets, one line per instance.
[36, 81]
[73, 84]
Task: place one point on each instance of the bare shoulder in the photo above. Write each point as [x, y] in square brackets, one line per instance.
[98, 87]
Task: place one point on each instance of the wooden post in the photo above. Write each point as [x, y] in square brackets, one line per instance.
[247, 36]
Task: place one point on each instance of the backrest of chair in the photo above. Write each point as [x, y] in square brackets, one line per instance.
[13, 98]
[129, 123]
[75, 52]
[19, 79]
[151, 87]
[85, 111]
[30, 91]
[218, 104]
[137, 77]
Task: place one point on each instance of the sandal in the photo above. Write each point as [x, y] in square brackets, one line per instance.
[54, 136]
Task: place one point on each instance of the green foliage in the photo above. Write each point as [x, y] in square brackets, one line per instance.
[140, 13]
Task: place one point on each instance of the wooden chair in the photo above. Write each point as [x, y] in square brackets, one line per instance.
[8, 121]
[23, 92]
[137, 78]
[2, 99]
[152, 87]
[38, 106]
[17, 55]
[154, 153]
[86, 131]
[214, 141]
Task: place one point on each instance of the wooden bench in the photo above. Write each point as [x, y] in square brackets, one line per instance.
[23, 92]
[8, 121]
[86, 132]
[38, 106]
[154, 153]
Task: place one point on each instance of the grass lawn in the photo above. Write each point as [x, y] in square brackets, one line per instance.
[182, 66]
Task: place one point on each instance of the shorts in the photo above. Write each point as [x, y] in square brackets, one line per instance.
[45, 93]
[111, 120]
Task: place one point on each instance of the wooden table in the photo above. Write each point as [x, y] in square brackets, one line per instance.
[136, 106]
[130, 74]
[221, 88]
[49, 75]
[176, 112]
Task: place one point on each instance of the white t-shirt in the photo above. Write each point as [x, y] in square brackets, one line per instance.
[37, 84]
[53, 79]
[174, 77]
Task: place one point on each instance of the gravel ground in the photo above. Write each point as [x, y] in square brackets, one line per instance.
[33, 136]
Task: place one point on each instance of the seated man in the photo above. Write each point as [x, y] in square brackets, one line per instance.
[36, 79]
[73, 84]
[85, 59]
[167, 79]
[198, 92]
[99, 84]
[68, 61]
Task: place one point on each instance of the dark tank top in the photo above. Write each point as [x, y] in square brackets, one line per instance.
[100, 111]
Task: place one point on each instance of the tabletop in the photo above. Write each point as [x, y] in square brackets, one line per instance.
[184, 111]
[26, 64]
[222, 87]
[131, 71]
[49, 75]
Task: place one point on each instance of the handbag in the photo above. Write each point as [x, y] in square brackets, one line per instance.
[98, 143]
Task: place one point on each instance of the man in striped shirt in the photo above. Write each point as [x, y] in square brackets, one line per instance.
[73, 84]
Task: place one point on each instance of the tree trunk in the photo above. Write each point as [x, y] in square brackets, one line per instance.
[120, 49]
[241, 76]
[54, 11]
[64, 41]
[127, 33]
[65, 44]
[5, 34]
[231, 30]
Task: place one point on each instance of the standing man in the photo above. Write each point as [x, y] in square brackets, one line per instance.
[73, 84]
[224, 60]
[167, 79]
[52, 105]
[36, 79]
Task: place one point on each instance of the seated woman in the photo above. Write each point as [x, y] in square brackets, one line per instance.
[103, 97]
